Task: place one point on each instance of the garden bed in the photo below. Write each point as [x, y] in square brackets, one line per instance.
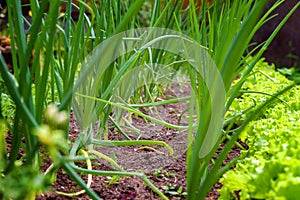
[95, 105]
[168, 173]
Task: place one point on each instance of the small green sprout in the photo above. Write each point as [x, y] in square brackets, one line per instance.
[174, 190]
[157, 172]
[161, 172]
[113, 180]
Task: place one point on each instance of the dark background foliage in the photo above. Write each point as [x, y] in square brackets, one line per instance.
[284, 50]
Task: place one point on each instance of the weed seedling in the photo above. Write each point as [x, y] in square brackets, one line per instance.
[162, 173]
[113, 180]
[174, 190]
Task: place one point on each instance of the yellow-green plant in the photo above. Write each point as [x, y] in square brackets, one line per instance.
[269, 168]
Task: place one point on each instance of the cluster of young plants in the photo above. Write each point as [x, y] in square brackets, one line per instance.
[53, 64]
[270, 167]
[171, 188]
[162, 173]
[174, 190]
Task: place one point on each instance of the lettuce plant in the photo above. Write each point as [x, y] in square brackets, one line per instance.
[270, 167]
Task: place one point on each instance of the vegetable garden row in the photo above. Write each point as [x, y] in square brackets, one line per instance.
[109, 63]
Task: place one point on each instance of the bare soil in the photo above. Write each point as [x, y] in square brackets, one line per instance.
[146, 159]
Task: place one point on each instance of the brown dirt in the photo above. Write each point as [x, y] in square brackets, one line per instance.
[139, 159]
[136, 159]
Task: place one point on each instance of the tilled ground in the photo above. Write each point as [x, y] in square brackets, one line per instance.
[155, 162]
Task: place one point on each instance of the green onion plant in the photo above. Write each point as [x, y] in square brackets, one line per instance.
[46, 58]
[48, 63]
[226, 28]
